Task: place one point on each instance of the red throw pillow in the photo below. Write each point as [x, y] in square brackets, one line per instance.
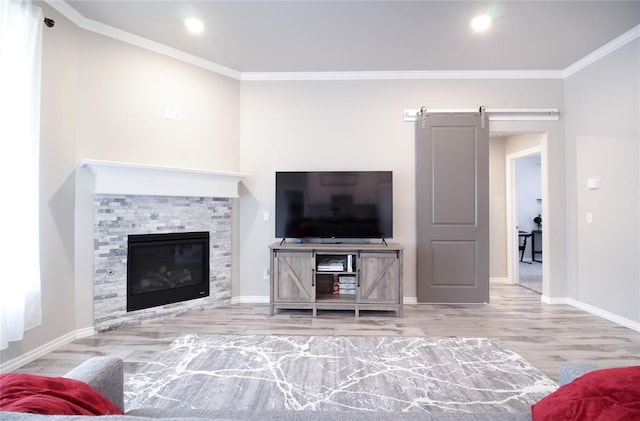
[611, 394]
[52, 396]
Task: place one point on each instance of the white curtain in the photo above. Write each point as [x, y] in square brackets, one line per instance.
[20, 63]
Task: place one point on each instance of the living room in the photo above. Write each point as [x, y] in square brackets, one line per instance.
[103, 99]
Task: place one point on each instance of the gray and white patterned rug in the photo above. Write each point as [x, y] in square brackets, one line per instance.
[235, 372]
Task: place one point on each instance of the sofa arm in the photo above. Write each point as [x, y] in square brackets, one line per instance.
[571, 371]
[105, 374]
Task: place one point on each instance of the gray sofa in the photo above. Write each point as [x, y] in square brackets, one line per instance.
[106, 375]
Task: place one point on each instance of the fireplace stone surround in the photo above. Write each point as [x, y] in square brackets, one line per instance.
[151, 203]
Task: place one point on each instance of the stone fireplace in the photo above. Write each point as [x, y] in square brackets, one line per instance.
[141, 209]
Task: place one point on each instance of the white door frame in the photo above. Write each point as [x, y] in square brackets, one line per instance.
[512, 210]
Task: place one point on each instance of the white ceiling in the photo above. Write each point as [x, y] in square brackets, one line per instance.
[382, 35]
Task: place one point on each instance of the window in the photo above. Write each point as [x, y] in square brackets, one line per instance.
[20, 63]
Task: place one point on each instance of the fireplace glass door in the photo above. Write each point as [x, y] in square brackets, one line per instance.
[166, 268]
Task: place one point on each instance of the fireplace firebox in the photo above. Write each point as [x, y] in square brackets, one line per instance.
[166, 268]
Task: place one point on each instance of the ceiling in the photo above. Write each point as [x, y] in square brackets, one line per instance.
[364, 36]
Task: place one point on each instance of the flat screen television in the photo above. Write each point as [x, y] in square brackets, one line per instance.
[334, 204]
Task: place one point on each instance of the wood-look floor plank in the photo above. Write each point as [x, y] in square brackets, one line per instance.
[546, 335]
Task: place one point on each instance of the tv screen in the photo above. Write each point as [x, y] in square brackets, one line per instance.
[345, 204]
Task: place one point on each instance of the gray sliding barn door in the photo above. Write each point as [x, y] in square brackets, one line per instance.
[452, 180]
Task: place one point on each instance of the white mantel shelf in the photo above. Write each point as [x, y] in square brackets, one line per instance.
[152, 180]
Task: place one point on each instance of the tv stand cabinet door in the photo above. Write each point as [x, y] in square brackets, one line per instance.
[293, 277]
[380, 277]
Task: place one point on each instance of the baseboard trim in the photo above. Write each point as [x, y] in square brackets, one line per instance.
[622, 321]
[43, 350]
[619, 320]
[505, 281]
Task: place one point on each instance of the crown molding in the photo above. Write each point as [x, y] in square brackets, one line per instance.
[109, 31]
[403, 75]
[67, 11]
[91, 25]
[601, 52]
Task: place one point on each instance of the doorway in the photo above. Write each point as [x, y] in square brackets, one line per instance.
[524, 167]
[528, 195]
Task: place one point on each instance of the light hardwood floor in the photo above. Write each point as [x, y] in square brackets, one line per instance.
[545, 335]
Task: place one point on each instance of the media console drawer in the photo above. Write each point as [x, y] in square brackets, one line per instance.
[336, 277]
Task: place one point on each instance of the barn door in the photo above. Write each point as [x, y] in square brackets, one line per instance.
[452, 170]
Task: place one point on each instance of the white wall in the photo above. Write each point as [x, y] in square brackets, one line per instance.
[123, 93]
[603, 141]
[332, 125]
[104, 99]
[497, 209]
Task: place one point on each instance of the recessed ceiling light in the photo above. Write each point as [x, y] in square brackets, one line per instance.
[481, 23]
[195, 26]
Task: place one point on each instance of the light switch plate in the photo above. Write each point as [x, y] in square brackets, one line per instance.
[593, 183]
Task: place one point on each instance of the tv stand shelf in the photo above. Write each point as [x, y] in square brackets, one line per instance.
[320, 276]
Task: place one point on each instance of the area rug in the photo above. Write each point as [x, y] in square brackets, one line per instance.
[235, 372]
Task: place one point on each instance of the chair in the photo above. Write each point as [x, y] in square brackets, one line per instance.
[522, 244]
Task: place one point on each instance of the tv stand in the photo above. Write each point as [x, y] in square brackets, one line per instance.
[321, 276]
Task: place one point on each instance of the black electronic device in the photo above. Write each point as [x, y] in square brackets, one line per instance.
[334, 204]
